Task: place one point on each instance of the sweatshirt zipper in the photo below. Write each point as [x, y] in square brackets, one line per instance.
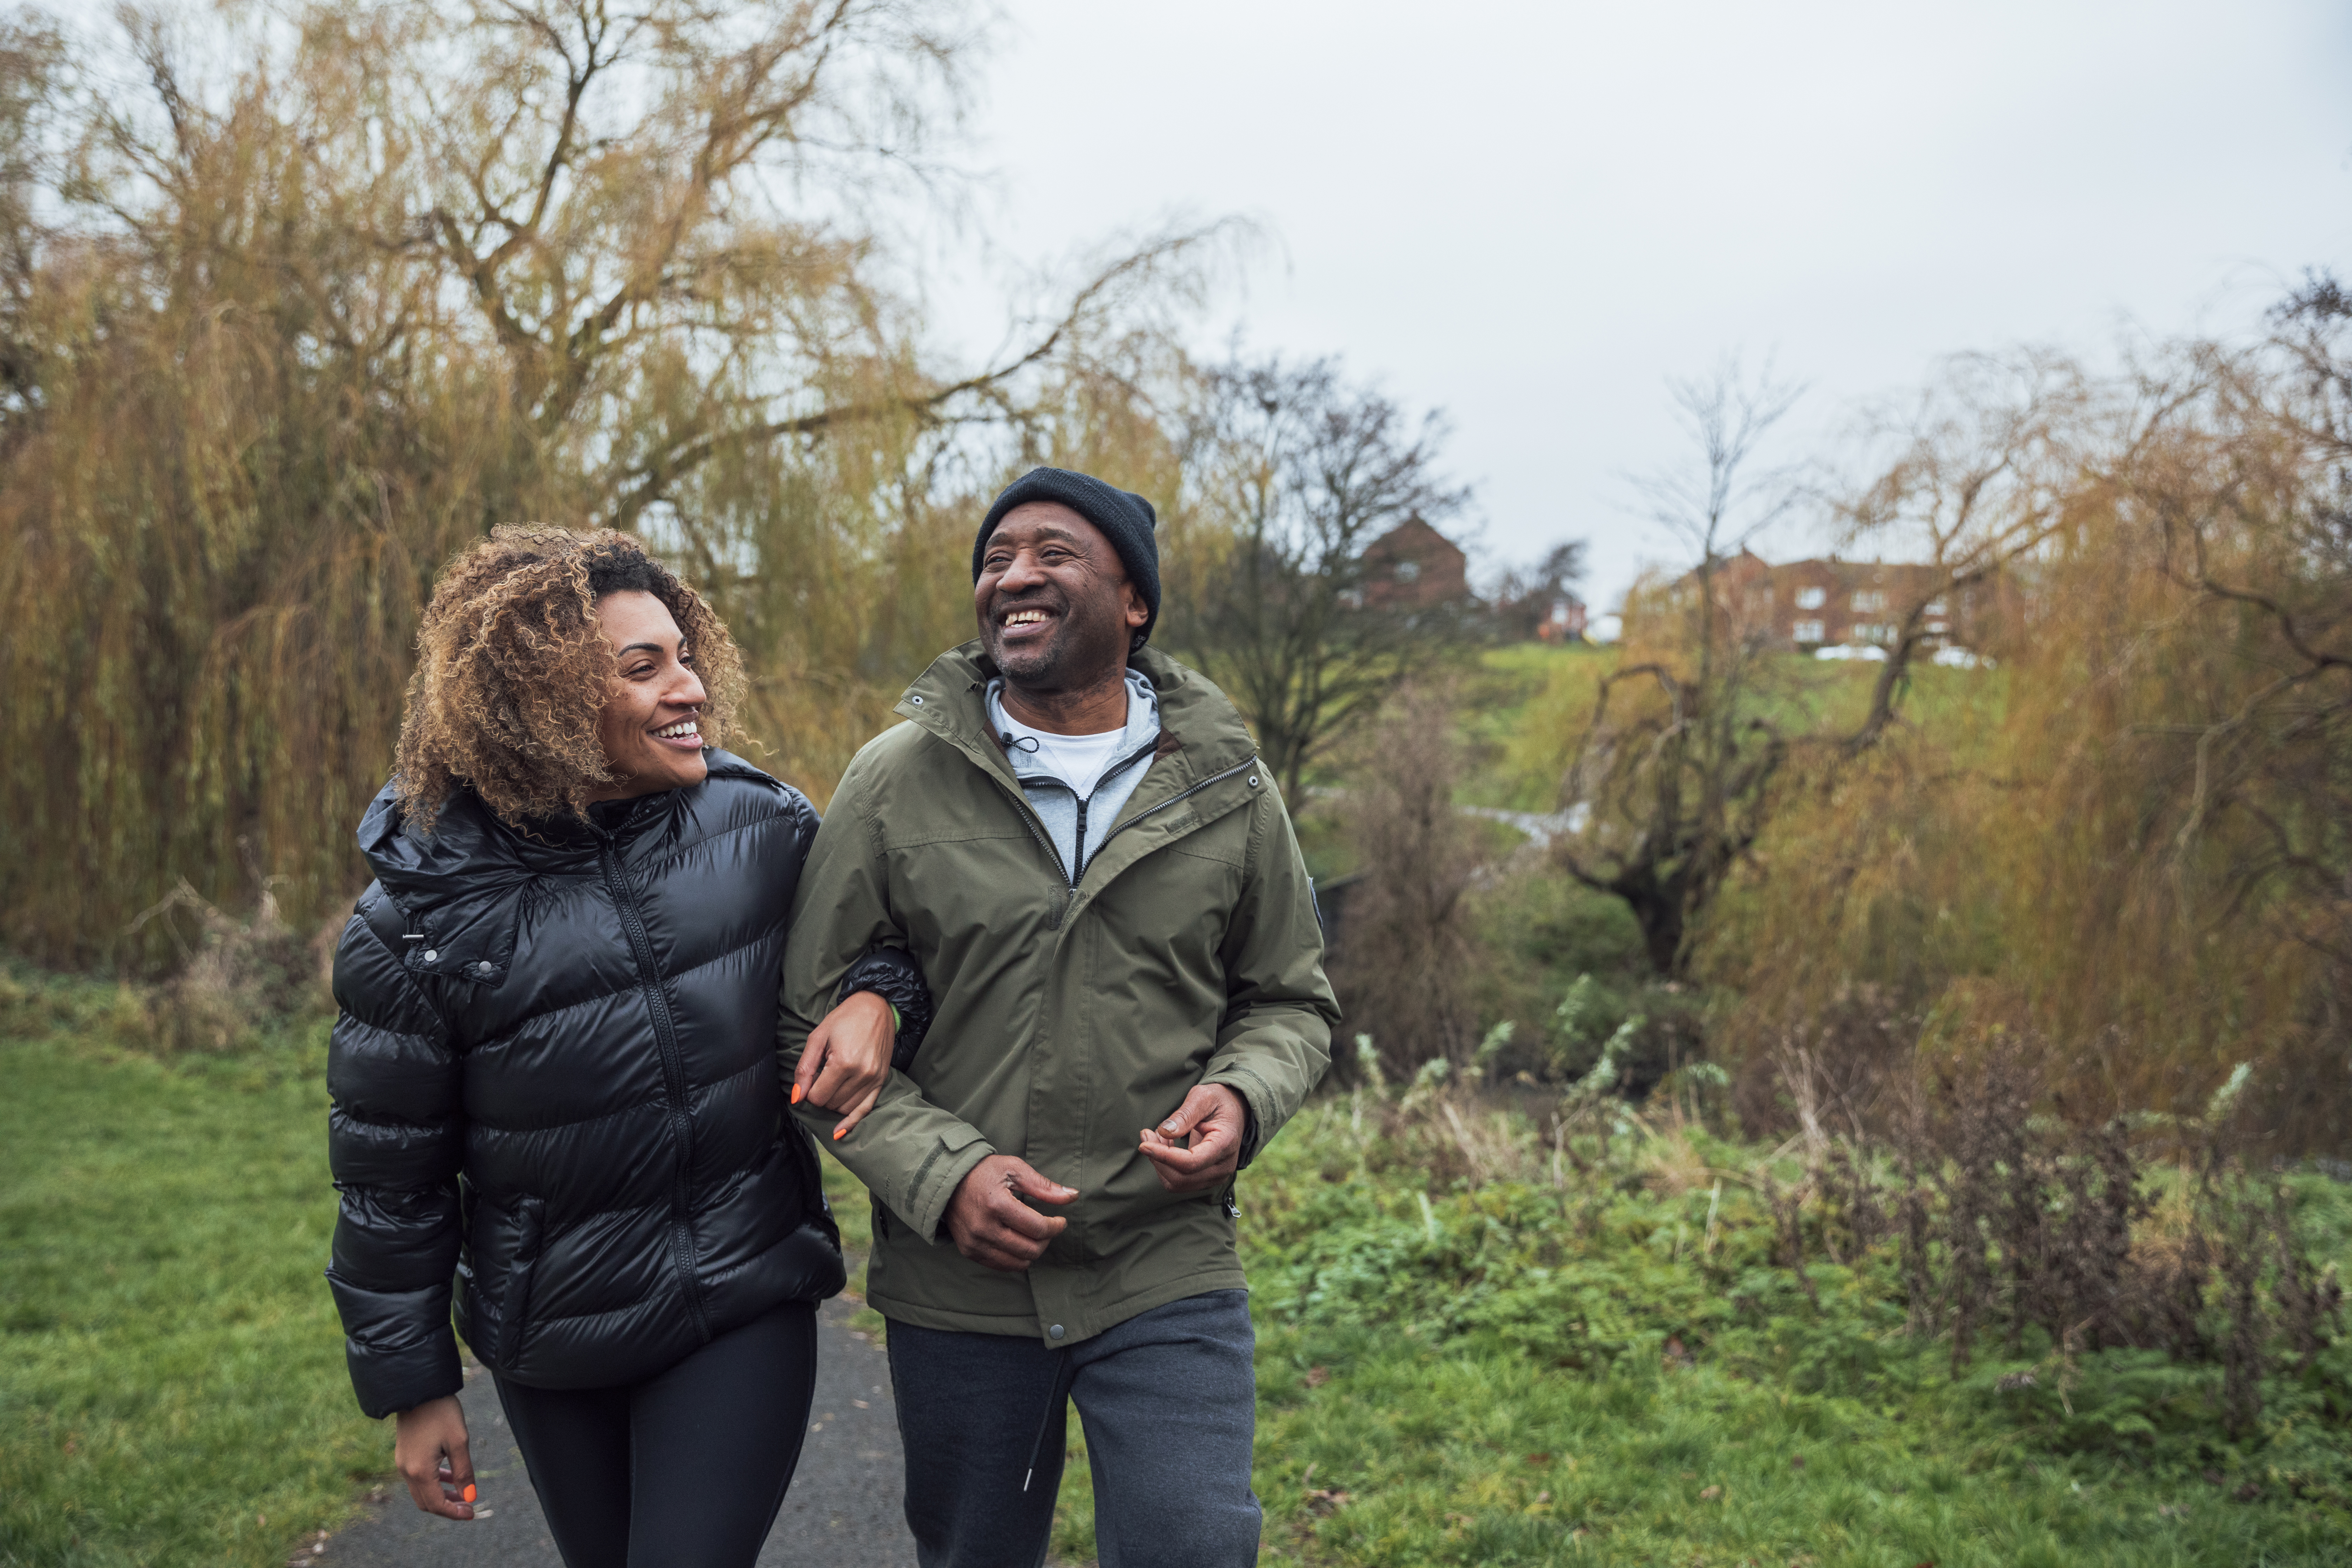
[672, 1060]
[1029, 819]
[1037, 831]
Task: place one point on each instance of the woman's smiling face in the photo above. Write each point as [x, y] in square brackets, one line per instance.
[648, 728]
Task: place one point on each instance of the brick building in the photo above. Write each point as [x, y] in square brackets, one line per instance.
[1561, 619]
[1415, 567]
[1816, 604]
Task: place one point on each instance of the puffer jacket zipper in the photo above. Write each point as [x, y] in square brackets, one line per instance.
[672, 1060]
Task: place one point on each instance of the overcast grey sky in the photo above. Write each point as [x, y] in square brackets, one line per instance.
[1532, 215]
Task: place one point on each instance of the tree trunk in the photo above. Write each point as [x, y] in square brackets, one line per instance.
[1658, 910]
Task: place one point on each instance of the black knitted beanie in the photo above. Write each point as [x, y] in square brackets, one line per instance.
[1124, 519]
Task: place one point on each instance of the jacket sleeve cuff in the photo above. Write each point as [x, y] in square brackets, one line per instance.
[934, 1187]
[389, 1381]
[1261, 1111]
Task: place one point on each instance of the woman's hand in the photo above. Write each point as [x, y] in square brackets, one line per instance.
[847, 1060]
[429, 1449]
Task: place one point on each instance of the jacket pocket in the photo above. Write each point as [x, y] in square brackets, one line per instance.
[514, 1313]
[469, 1203]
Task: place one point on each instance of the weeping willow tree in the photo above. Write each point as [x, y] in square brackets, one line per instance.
[2128, 838]
[294, 302]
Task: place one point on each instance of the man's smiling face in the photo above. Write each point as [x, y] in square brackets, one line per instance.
[1056, 611]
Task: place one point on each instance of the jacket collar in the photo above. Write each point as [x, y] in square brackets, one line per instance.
[468, 842]
[447, 885]
[1141, 733]
[1201, 732]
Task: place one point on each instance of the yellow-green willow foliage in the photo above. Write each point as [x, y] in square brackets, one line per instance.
[2127, 839]
[328, 291]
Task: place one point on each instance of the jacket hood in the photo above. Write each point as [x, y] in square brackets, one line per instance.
[444, 882]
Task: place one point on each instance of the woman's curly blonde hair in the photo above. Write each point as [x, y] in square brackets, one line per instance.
[512, 671]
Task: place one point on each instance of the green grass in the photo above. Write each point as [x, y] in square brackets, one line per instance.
[1522, 711]
[1487, 1378]
[1487, 1381]
[1526, 707]
[172, 1385]
[1465, 1454]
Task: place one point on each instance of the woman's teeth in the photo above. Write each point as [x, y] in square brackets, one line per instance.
[684, 729]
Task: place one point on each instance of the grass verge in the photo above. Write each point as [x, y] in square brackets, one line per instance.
[1516, 1373]
[172, 1386]
[1512, 1372]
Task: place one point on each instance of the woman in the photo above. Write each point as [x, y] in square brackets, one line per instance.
[554, 1076]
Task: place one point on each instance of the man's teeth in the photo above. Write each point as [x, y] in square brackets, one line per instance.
[679, 731]
[1025, 618]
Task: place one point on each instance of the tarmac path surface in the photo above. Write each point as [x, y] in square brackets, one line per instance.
[843, 1512]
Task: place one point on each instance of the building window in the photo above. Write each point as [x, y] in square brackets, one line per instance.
[1806, 631]
[1877, 632]
[1936, 607]
[1869, 602]
[1407, 571]
[1812, 599]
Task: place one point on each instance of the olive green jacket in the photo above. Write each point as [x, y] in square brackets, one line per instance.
[1068, 1018]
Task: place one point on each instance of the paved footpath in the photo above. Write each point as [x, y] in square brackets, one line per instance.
[843, 1511]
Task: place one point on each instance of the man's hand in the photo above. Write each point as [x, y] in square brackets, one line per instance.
[991, 1225]
[847, 1061]
[1212, 1115]
[428, 1447]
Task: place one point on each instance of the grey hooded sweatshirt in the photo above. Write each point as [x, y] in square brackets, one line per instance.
[1078, 824]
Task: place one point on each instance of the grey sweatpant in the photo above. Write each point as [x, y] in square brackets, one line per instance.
[1169, 1403]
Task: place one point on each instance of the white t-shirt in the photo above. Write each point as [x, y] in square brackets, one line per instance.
[1078, 761]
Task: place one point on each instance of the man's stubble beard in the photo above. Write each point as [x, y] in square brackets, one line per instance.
[1050, 670]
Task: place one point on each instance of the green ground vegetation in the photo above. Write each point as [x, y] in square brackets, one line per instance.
[1500, 1365]
[1471, 1350]
[1527, 705]
[172, 1385]
[1610, 1369]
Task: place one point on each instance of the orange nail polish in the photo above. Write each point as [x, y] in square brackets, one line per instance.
[469, 1491]
[797, 1093]
[838, 1134]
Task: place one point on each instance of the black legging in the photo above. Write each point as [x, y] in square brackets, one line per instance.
[688, 1467]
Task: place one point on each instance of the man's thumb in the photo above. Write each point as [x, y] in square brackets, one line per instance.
[1030, 1184]
[1180, 1123]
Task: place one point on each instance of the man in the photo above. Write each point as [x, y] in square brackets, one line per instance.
[1075, 840]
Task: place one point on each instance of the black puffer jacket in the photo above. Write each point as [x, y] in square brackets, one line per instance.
[555, 1084]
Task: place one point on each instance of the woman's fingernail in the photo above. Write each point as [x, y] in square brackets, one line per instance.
[838, 1132]
[797, 1093]
[469, 1491]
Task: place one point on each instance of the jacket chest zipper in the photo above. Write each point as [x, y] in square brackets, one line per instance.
[672, 1060]
[1172, 800]
[1069, 879]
